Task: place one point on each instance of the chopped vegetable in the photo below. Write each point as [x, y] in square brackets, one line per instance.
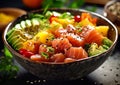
[94, 49]
[107, 42]
[102, 29]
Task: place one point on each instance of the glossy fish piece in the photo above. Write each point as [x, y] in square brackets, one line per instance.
[76, 53]
[61, 44]
[91, 35]
[75, 39]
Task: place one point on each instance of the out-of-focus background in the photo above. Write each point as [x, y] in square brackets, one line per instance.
[33, 4]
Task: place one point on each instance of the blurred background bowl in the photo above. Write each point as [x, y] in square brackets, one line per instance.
[112, 12]
[68, 71]
[9, 14]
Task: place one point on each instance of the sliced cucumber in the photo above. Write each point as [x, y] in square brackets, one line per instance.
[28, 23]
[23, 25]
[35, 22]
[18, 26]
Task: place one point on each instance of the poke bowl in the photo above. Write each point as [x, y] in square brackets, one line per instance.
[57, 44]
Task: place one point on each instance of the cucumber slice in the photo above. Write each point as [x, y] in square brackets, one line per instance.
[28, 23]
[23, 25]
[18, 26]
[35, 22]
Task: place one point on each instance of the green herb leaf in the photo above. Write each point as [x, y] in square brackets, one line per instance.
[50, 49]
[44, 54]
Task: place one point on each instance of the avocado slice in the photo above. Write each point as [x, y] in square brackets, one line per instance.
[18, 32]
[18, 45]
[15, 40]
[10, 32]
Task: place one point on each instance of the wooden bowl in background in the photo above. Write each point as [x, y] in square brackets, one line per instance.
[10, 12]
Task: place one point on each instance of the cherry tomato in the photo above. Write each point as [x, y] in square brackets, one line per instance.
[22, 51]
[50, 19]
[26, 53]
[77, 18]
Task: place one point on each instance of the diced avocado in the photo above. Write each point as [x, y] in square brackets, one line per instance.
[107, 42]
[95, 49]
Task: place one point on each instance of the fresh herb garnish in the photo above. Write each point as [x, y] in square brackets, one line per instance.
[45, 55]
[61, 3]
[50, 49]
[7, 68]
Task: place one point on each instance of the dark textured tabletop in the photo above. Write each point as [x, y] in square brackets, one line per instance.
[107, 74]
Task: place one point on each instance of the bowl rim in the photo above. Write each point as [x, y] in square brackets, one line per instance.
[49, 63]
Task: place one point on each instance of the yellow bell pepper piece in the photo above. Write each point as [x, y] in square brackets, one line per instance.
[102, 29]
[54, 26]
[29, 45]
[43, 37]
[85, 22]
[64, 22]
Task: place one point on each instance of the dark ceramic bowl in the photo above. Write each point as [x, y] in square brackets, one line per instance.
[68, 71]
[112, 12]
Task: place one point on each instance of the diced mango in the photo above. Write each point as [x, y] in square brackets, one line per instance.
[43, 37]
[29, 45]
[85, 22]
[54, 26]
[102, 29]
[63, 22]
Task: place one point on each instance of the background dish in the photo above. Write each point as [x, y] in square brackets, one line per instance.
[15, 12]
[112, 15]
